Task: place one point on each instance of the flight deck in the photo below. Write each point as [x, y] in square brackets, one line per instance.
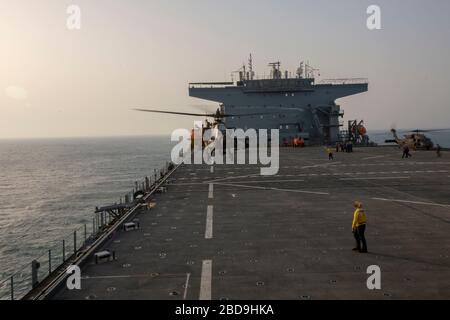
[226, 232]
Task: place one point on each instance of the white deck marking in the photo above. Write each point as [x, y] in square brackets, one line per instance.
[209, 223]
[126, 276]
[321, 165]
[188, 184]
[275, 181]
[229, 179]
[186, 285]
[326, 163]
[236, 177]
[115, 277]
[315, 175]
[205, 283]
[376, 157]
[211, 191]
[374, 178]
[415, 202]
[275, 189]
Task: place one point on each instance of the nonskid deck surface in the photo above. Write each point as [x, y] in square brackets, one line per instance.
[229, 233]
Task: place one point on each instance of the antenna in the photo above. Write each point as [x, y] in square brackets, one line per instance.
[250, 66]
[241, 72]
[309, 71]
[275, 65]
[300, 70]
[276, 73]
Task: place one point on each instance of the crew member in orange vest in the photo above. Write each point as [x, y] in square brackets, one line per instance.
[301, 142]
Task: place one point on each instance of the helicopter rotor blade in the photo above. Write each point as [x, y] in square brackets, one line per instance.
[430, 130]
[248, 114]
[384, 133]
[204, 107]
[175, 112]
[212, 115]
[417, 131]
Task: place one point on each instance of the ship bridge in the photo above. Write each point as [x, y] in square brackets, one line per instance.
[297, 106]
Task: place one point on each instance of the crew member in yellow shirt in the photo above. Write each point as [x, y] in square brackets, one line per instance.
[329, 150]
[359, 227]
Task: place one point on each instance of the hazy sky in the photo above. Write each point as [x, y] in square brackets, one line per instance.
[55, 82]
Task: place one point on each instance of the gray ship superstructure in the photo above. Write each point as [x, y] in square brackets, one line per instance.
[296, 105]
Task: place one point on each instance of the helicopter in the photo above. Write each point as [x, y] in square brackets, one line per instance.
[414, 139]
[217, 125]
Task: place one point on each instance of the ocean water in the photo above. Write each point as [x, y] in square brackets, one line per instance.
[49, 187]
[438, 137]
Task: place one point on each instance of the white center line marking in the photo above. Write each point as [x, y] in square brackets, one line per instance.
[211, 191]
[415, 202]
[205, 283]
[209, 223]
[212, 169]
[186, 285]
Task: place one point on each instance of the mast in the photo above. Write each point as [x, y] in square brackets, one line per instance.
[250, 67]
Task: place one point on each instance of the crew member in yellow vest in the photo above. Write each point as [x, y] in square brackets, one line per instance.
[359, 227]
[329, 150]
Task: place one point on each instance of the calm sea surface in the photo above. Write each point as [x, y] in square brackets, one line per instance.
[49, 187]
